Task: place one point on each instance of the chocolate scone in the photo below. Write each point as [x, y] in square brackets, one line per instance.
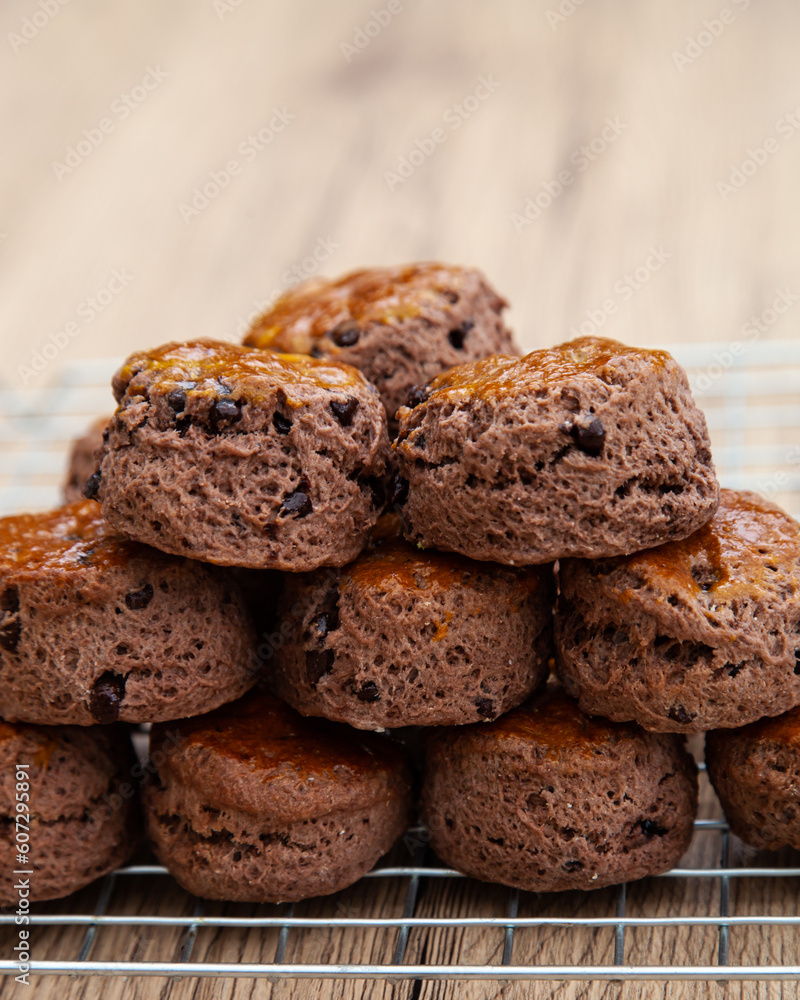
[243, 457]
[82, 461]
[95, 628]
[694, 635]
[69, 812]
[587, 449]
[401, 326]
[755, 772]
[401, 637]
[547, 799]
[253, 802]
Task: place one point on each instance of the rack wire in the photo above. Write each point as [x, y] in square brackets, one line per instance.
[736, 912]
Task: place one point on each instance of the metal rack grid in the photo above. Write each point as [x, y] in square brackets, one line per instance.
[752, 400]
[395, 967]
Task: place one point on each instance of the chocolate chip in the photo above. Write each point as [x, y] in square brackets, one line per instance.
[419, 441]
[177, 400]
[237, 855]
[318, 663]
[590, 437]
[344, 411]
[92, 486]
[485, 708]
[105, 436]
[457, 336]
[418, 395]
[107, 694]
[679, 714]
[398, 490]
[368, 692]
[345, 334]
[298, 502]
[9, 600]
[227, 409]
[797, 661]
[450, 295]
[316, 352]
[651, 829]
[10, 632]
[281, 424]
[573, 866]
[325, 622]
[137, 600]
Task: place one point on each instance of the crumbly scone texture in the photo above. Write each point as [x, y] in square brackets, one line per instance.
[253, 802]
[546, 799]
[695, 635]
[401, 326]
[755, 772]
[587, 449]
[243, 457]
[82, 459]
[95, 628]
[81, 827]
[408, 638]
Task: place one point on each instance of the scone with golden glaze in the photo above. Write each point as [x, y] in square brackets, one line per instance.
[587, 449]
[243, 457]
[698, 634]
[253, 802]
[400, 326]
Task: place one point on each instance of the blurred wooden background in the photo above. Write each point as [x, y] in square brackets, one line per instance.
[181, 87]
[630, 166]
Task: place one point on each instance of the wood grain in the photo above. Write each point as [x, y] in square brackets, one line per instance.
[321, 184]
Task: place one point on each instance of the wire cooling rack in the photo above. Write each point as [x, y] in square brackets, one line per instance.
[725, 914]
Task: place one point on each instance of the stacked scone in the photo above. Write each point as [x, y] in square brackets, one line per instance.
[276, 557]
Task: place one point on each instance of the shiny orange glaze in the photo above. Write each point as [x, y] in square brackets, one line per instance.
[728, 545]
[502, 374]
[784, 729]
[68, 538]
[555, 723]
[375, 295]
[389, 561]
[264, 733]
[206, 363]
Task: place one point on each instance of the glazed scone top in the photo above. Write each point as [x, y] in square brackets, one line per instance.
[783, 730]
[552, 723]
[72, 537]
[208, 368]
[745, 550]
[502, 375]
[320, 307]
[389, 562]
[258, 754]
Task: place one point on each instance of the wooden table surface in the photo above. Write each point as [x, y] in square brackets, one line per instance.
[619, 166]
